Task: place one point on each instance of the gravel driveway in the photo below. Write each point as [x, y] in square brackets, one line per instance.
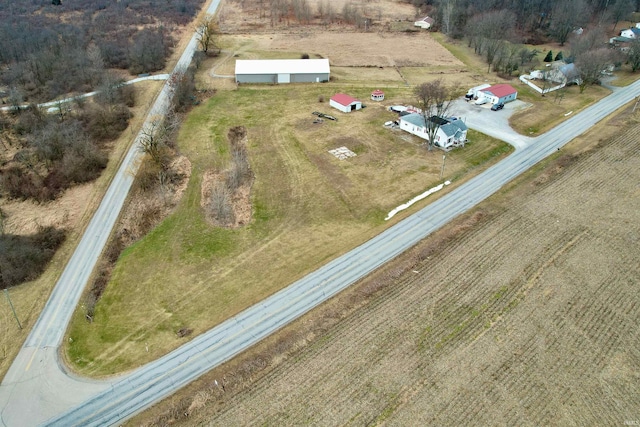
[492, 123]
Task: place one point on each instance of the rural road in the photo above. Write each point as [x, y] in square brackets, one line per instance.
[37, 390]
[53, 104]
[37, 387]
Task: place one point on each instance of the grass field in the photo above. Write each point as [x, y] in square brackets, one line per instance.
[188, 274]
[71, 211]
[551, 110]
[522, 312]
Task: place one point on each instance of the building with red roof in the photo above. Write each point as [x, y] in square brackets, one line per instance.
[377, 95]
[345, 103]
[501, 93]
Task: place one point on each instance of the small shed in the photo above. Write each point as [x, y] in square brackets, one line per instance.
[377, 95]
[345, 103]
[501, 93]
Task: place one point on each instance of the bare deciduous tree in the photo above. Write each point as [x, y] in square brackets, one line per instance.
[633, 55]
[435, 99]
[591, 64]
[566, 16]
[488, 34]
[206, 33]
[220, 205]
[154, 138]
[447, 8]
[620, 10]
[589, 40]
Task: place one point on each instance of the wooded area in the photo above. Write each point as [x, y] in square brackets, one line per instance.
[534, 20]
[57, 50]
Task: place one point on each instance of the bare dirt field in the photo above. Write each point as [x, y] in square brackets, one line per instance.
[524, 312]
[363, 49]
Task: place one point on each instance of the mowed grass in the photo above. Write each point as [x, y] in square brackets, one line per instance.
[552, 109]
[308, 208]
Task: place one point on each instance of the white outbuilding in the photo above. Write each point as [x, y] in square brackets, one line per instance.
[377, 95]
[425, 23]
[282, 70]
[345, 103]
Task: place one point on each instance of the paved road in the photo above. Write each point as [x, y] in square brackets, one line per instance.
[162, 377]
[36, 387]
[56, 103]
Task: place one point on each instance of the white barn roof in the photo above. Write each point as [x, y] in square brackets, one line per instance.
[276, 66]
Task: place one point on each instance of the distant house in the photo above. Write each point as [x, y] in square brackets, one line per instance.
[282, 70]
[451, 133]
[501, 93]
[425, 23]
[559, 72]
[620, 43]
[345, 103]
[631, 33]
[567, 74]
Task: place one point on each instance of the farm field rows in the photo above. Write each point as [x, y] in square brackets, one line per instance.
[527, 317]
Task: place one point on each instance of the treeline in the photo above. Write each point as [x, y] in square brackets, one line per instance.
[361, 14]
[534, 21]
[49, 50]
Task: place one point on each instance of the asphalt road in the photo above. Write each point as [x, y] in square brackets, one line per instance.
[36, 387]
[164, 376]
[37, 390]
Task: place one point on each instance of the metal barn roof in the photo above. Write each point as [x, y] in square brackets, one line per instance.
[279, 66]
[500, 90]
[343, 99]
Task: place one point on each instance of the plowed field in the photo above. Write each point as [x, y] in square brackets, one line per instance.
[529, 317]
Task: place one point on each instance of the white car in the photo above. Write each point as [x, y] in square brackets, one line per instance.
[482, 101]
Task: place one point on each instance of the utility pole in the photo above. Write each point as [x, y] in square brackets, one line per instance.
[6, 293]
[444, 157]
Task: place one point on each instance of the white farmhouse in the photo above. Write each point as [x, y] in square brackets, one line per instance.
[631, 33]
[451, 133]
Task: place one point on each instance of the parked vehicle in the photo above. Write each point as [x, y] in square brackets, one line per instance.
[498, 106]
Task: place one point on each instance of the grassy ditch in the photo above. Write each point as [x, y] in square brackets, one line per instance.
[308, 207]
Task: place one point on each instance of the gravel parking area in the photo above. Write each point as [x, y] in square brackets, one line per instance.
[493, 123]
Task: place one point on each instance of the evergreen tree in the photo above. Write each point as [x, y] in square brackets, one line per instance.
[559, 56]
[549, 57]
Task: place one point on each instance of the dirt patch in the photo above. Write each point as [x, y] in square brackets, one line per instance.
[363, 49]
[226, 196]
